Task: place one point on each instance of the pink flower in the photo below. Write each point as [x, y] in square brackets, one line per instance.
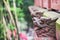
[23, 36]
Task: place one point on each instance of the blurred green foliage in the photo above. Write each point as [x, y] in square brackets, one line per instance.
[11, 27]
[1, 25]
[28, 18]
[21, 11]
[1, 32]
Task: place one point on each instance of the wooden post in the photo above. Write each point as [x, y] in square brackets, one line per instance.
[8, 9]
[16, 19]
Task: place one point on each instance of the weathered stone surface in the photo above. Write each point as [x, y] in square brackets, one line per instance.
[45, 27]
[35, 9]
[51, 14]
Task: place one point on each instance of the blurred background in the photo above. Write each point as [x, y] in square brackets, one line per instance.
[15, 20]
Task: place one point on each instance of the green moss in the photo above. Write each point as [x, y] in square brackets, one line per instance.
[58, 24]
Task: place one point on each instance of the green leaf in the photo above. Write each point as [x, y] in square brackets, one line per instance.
[11, 26]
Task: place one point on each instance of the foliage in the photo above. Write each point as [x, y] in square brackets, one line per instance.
[11, 27]
[1, 25]
[26, 4]
[1, 32]
[21, 11]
